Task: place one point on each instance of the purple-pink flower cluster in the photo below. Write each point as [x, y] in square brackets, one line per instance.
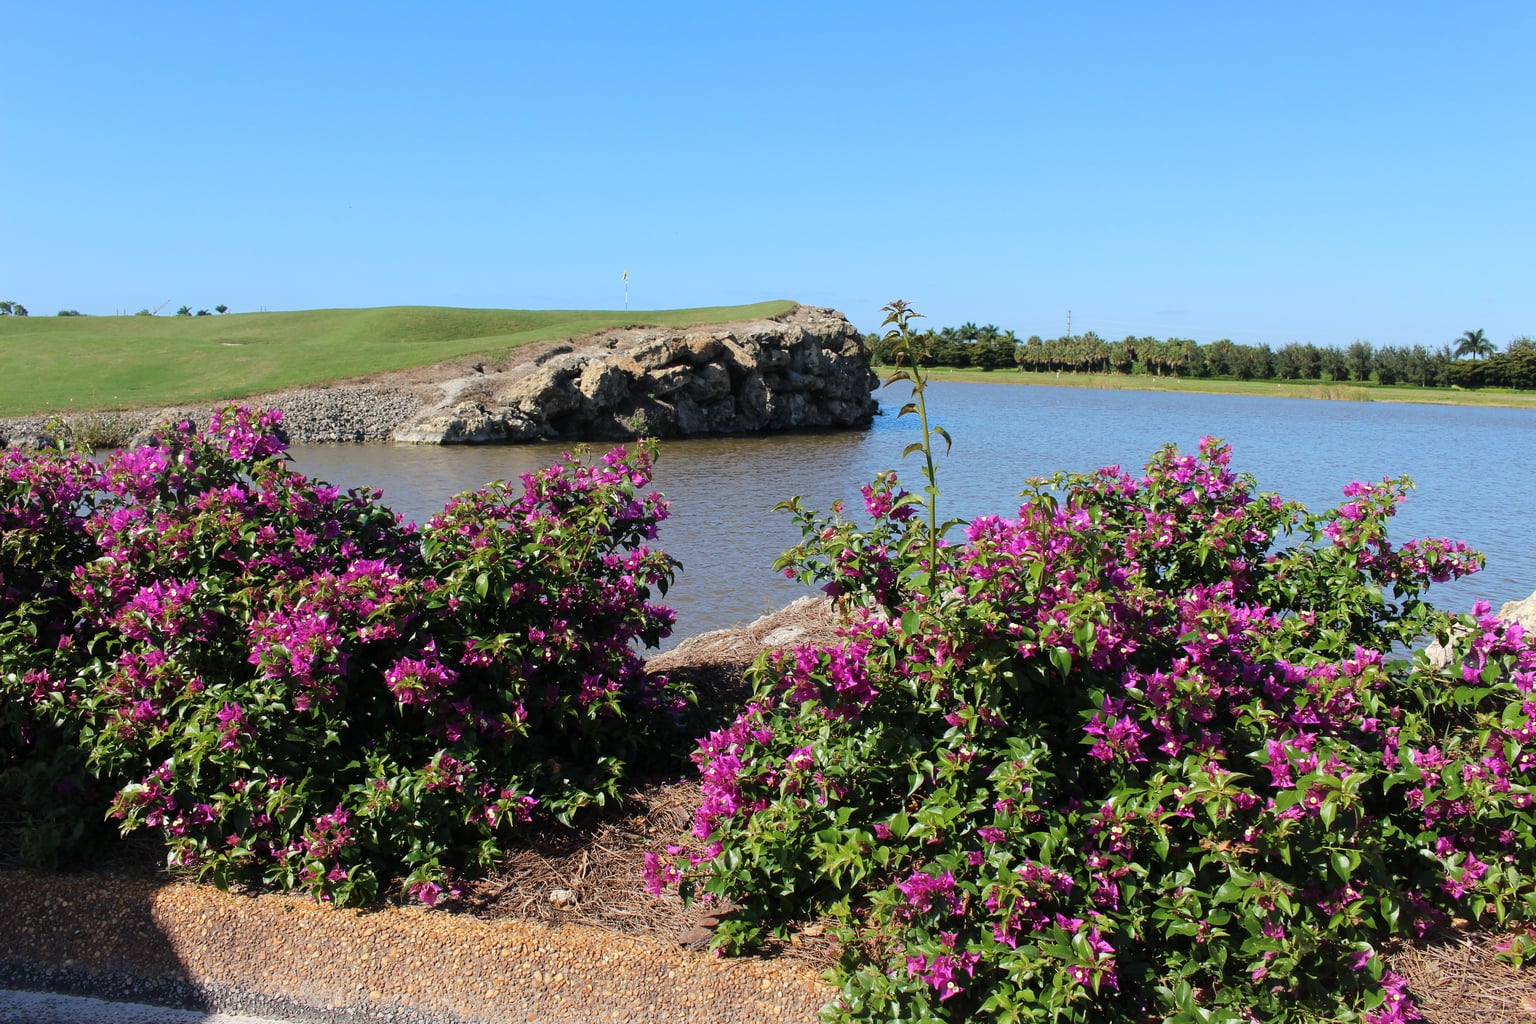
[1158, 719]
[266, 668]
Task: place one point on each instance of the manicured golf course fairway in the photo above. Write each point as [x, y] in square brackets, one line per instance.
[85, 363]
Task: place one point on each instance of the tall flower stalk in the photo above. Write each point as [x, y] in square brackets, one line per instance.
[909, 353]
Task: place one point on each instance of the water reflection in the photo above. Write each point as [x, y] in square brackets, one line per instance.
[1465, 461]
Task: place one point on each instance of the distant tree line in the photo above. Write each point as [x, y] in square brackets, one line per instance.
[186, 311]
[8, 308]
[1471, 361]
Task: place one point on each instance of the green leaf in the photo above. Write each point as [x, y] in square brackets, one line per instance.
[1062, 659]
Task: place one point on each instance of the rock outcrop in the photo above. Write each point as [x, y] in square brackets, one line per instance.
[1523, 612]
[806, 369]
[803, 370]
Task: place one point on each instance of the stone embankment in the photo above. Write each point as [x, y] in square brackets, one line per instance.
[806, 369]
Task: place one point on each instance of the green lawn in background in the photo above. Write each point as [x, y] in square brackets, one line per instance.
[85, 363]
[1341, 392]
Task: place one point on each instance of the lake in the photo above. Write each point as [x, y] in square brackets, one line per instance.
[1467, 463]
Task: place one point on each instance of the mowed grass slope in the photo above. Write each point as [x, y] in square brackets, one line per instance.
[77, 364]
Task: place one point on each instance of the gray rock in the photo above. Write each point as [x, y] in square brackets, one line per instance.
[752, 402]
[698, 349]
[471, 423]
[605, 384]
[740, 358]
[709, 381]
[650, 418]
[1523, 612]
[653, 352]
[672, 378]
[550, 391]
[790, 409]
[468, 423]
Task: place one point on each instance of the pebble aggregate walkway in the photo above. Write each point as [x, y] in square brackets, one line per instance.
[274, 956]
[46, 1008]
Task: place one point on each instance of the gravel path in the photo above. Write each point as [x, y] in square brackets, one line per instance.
[189, 946]
[46, 1008]
[130, 935]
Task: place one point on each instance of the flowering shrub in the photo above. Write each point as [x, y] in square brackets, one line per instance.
[300, 690]
[1155, 748]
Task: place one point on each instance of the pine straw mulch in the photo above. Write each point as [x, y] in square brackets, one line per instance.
[593, 876]
[1457, 977]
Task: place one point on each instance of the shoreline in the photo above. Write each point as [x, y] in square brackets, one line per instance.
[370, 409]
[1343, 391]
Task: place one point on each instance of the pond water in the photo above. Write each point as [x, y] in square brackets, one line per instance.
[1467, 464]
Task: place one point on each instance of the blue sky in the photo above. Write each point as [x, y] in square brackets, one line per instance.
[1317, 172]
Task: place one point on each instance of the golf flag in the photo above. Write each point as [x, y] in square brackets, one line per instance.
[625, 277]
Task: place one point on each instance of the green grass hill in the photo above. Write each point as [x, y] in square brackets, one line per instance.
[86, 363]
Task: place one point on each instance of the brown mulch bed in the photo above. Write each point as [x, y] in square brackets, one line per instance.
[593, 876]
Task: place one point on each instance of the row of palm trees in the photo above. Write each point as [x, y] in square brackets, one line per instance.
[1474, 344]
[988, 347]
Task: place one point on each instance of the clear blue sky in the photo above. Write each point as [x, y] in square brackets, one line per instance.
[1319, 172]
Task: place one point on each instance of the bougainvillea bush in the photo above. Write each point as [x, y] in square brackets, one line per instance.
[1157, 748]
[300, 690]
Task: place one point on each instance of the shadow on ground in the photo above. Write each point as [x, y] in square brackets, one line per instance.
[564, 933]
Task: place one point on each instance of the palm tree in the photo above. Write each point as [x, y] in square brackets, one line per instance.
[1474, 344]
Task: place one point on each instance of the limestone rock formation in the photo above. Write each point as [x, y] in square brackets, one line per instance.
[806, 369]
[1523, 612]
